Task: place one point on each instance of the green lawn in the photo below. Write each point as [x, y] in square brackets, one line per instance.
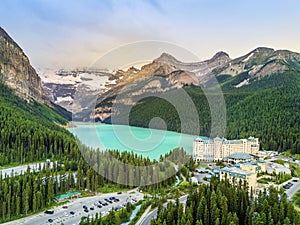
[277, 179]
[280, 161]
[108, 188]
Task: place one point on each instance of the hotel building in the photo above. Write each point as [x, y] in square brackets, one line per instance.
[206, 149]
[243, 170]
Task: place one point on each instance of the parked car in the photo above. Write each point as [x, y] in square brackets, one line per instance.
[50, 220]
[86, 210]
[65, 207]
[72, 212]
[109, 201]
[117, 208]
[49, 211]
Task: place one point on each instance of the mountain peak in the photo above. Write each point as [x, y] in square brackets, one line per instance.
[221, 54]
[166, 58]
[263, 49]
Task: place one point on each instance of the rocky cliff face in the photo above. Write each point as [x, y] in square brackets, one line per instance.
[16, 71]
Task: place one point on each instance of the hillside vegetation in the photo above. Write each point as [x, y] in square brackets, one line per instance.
[29, 131]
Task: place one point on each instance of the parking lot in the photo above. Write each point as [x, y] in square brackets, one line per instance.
[63, 214]
[291, 187]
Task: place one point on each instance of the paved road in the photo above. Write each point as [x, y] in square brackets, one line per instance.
[153, 213]
[285, 159]
[34, 167]
[63, 215]
[17, 170]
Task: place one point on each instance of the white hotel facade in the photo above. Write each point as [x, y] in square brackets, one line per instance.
[206, 149]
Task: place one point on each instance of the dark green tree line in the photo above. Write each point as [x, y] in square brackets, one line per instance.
[224, 204]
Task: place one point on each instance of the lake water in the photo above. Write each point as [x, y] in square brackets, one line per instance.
[148, 142]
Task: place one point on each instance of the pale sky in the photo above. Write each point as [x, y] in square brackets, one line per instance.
[74, 33]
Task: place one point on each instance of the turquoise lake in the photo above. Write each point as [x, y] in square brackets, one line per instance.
[144, 141]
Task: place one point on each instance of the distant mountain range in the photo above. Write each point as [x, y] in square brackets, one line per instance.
[258, 63]
[61, 86]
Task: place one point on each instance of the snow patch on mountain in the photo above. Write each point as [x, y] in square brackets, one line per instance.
[62, 86]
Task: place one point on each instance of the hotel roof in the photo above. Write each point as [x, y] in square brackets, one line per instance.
[202, 138]
[240, 155]
[236, 171]
[224, 140]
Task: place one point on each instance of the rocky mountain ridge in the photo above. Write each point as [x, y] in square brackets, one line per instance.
[256, 64]
[260, 62]
[218, 59]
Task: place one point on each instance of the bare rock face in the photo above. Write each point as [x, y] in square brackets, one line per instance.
[180, 78]
[16, 71]
[147, 71]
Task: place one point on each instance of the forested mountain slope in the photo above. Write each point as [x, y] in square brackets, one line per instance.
[29, 128]
[268, 107]
[30, 131]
